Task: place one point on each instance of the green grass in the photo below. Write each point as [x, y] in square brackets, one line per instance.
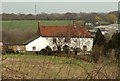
[31, 24]
[55, 59]
[32, 66]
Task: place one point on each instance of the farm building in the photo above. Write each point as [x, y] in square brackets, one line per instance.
[20, 48]
[106, 28]
[54, 36]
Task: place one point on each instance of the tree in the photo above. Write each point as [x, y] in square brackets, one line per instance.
[111, 18]
[99, 46]
[58, 41]
[115, 41]
[99, 38]
[17, 36]
[97, 18]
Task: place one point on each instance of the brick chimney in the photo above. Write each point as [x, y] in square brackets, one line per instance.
[74, 23]
[38, 30]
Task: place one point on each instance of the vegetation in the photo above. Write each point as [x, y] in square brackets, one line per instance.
[114, 43]
[87, 17]
[66, 49]
[22, 25]
[48, 50]
[98, 46]
[99, 39]
[32, 66]
[23, 30]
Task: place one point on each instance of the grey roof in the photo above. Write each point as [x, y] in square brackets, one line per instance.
[32, 39]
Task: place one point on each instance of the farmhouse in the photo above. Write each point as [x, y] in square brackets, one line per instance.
[60, 36]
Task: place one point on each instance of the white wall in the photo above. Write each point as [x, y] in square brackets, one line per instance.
[82, 42]
[39, 43]
[42, 42]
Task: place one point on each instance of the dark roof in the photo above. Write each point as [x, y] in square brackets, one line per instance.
[32, 39]
[11, 44]
[63, 31]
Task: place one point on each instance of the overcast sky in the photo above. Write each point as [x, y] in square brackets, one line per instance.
[60, 0]
[58, 7]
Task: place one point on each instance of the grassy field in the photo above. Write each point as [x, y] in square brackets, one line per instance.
[31, 66]
[32, 24]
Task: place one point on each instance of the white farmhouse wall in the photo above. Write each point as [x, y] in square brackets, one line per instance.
[89, 43]
[39, 43]
[80, 42]
[42, 42]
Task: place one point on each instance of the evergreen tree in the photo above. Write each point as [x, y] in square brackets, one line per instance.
[99, 38]
[115, 41]
[99, 46]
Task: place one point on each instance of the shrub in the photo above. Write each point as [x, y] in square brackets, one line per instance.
[99, 39]
[43, 51]
[66, 49]
[10, 51]
[37, 52]
[96, 53]
[48, 50]
[76, 50]
[17, 51]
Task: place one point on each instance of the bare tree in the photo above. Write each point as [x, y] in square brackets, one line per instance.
[59, 42]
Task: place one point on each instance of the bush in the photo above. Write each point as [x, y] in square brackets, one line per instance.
[66, 49]
[37, 52]
[43, 51]
[10, 51]
[48, 50]
[76, 50]
[17, 51]
[96, 53]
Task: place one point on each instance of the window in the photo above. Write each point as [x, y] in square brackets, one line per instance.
[34, 48]
[84, 47]
[67, 40]
[54, 40]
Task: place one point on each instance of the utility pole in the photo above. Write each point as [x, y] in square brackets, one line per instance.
[35, 11]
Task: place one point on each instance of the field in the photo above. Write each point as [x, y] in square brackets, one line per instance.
[31, 24]
[31, 66]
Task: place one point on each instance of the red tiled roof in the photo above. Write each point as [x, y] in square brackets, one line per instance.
[60, 31]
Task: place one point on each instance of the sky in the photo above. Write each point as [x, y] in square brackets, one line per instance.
[60, 0]
[57, 7]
